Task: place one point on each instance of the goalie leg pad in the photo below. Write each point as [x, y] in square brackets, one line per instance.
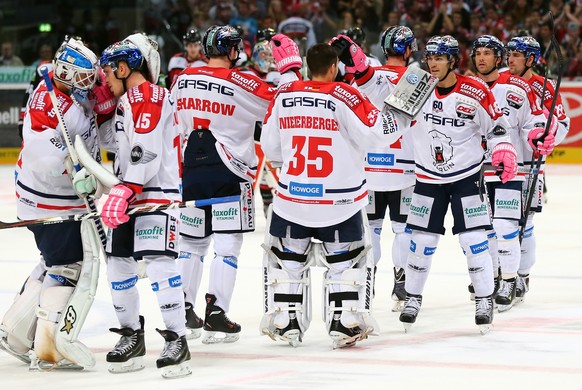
[287, 290]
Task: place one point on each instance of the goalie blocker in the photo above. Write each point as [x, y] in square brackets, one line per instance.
[411, 92]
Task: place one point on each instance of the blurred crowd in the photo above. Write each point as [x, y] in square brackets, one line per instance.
[168, 21]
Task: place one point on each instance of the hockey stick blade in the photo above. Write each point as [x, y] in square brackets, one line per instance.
[135, 211]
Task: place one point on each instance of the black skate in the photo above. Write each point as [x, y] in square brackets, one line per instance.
[291, 333]
[193, 322]
[522, 287]
[217, 321]
[128, 353]
[484, 313]
[343, 336]
[175, 356]
[506, 294]
[410, 310]
[398, 292]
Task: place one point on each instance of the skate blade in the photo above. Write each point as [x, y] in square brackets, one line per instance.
[503, 308]
[340, 340]
[133, 364]
[407, 327]
[398, 306]
[41, 365]
[292, 337]
[23, 357]
[518, 300]
[193, 333]
[210, 338]
[177, 370]
[485, 328]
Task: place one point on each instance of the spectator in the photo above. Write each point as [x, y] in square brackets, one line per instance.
[8, 58]
[246, 21]
[45, 54]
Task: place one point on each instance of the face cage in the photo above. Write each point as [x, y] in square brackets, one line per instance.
[75, 77]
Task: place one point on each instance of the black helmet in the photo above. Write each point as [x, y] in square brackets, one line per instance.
[218, 40]
[265, 34]
[357, 35]
[191, 36]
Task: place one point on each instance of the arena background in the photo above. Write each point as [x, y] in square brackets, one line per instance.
[30, 24]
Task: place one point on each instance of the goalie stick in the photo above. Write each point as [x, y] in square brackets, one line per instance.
[89, 203]
[135, 211]
[535, 169]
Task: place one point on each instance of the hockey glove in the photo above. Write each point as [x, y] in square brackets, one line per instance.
[286, 53]
[105, 101]
[350, 54]
[539, 143]
[504, 157]
[115, 208]
[85, 183]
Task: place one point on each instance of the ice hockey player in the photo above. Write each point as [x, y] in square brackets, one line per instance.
[317, 131]
[216, 109]
[461, 111]
[191, 56]
[147, 165]
[42, 324]
[390, 170]
[524, 115]
[523, 53]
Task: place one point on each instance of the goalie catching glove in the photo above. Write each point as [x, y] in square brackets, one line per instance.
[350, 54]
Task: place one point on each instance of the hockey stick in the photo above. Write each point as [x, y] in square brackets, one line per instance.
[535, 170]
[135, 211]
[89, 203]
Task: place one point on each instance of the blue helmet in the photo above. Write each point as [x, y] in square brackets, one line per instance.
[122, 51]
[490, 42]
[218, 40]
[396, 39]
[442, 45]
[526, 45]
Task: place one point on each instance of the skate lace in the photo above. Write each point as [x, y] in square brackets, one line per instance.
[412, 306]
[171, 348]
[125, 344]
[483, 306]
[521, 285]
[506, 288]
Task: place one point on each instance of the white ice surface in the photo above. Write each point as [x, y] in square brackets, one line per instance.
[537, 345]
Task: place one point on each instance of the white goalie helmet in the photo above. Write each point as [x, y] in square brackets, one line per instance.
[149, 50]
[75, 65]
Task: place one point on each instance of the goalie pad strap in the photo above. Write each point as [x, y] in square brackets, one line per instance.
[341, 257]
[338, 297]
[288, 255]
[289, 298]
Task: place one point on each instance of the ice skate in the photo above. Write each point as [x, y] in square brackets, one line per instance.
[398, 292]
[521, 287]
[291, 333]
[217, 321]
[484, 313]
[343, 336]
[175, 357]
[128, 353]
[506, 295]
[23, 357]
[193, 322]
[410, 310]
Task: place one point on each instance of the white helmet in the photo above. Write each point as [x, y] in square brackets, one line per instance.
[149, 50]
[75, 65]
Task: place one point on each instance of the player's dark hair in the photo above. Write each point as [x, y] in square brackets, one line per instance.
[320, 57]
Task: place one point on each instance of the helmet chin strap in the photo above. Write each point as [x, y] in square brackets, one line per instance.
[233, 62]
[123, 79]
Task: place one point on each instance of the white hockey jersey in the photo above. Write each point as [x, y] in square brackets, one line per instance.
[228, 103]
[148, 145]
[451, 128]
[390, 168]
[319, 132]
[43, 186]
[520, 107]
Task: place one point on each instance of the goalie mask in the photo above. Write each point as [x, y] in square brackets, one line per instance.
[149, 51]
[262, 57]
[76, 66]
